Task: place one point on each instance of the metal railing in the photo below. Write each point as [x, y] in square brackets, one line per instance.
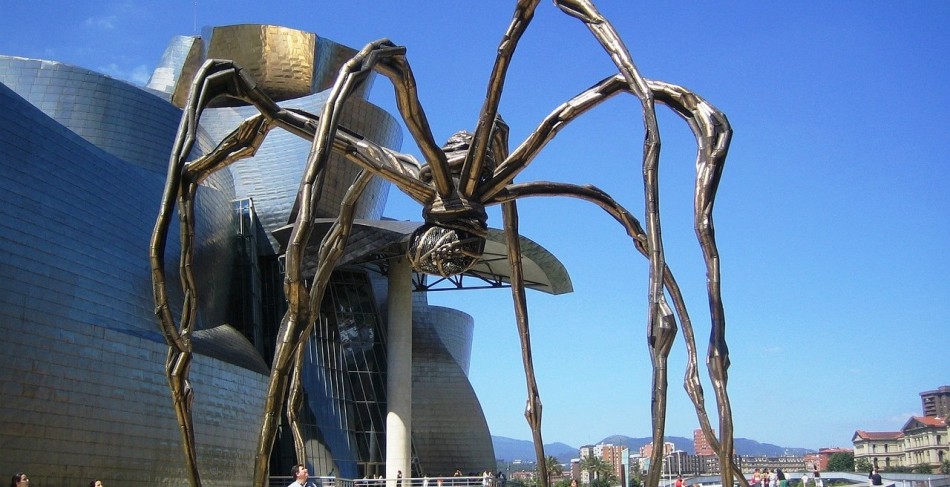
[472, 481]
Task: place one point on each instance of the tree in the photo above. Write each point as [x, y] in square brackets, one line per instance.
[863, 465]
[841, 462]
[602, 482]
[945, 467]
[636, 477]
[599, 470]
[553, 466]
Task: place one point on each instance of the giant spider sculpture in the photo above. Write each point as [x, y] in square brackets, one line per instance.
[453, 187]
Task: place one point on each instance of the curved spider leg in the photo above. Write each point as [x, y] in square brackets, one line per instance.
[224, 78]
[660, 329]
[475, 158]
[242, 143]
[390, 60]
[295, 401]
[636, 232]
[331, 249]
[713, 133]
[533, 407]
[213, 79]
[532, 411]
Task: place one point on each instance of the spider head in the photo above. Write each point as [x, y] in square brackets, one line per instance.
[444, 251]
[456, 149]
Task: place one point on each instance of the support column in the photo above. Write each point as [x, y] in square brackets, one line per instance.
[399, 371]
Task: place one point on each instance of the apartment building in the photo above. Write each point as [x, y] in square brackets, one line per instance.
[882, 449]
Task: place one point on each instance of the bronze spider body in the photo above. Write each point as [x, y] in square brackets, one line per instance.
[453, 188]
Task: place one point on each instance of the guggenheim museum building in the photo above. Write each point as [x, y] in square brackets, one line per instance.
[83, 159]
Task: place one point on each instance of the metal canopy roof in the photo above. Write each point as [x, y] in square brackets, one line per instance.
[373, 243]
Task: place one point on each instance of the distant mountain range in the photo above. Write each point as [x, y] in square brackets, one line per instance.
[511, 450]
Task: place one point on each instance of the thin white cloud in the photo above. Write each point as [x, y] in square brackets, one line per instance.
[114, 15]
[106, 22]
[140, 74]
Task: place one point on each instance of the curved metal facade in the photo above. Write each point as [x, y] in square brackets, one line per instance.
[83, 160]
[84, 389]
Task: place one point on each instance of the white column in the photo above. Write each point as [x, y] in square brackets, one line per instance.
[399, 371]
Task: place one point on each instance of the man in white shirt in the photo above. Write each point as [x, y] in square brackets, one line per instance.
[300, 473]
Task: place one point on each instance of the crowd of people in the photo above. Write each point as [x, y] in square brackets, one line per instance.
[486, 478]
[22, 480]
[777, 478]
[760, 478]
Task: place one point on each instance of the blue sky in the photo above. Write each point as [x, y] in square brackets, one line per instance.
[831, 215]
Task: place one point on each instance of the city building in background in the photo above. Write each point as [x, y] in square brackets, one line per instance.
[646, 451]
[882, 449]
[84, 159]
[701, 444]
[614, 455]
[926, 442]
[923, 443]
[936, 402]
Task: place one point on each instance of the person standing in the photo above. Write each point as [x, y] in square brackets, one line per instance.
[804, 480]
[780, 478]
[875, 478]
[300, 474]
[20, 480]
[817, 477]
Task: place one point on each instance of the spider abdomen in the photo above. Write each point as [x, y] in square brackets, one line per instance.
[444, 251]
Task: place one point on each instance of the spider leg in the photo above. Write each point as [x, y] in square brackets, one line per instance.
[475, 158]
[181, 184]
[390, 60]
[219, 78]
[661, 325]
[532, 410]
[713, 133]
[294, 401]
[603, 31]
[636, 232]
[295, 329]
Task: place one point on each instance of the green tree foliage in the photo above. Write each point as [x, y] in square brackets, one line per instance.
[597, 467]
[608, 481]
[554, 468]
[841, 462]
[863, 465]
[945, 467]
[636, 478]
